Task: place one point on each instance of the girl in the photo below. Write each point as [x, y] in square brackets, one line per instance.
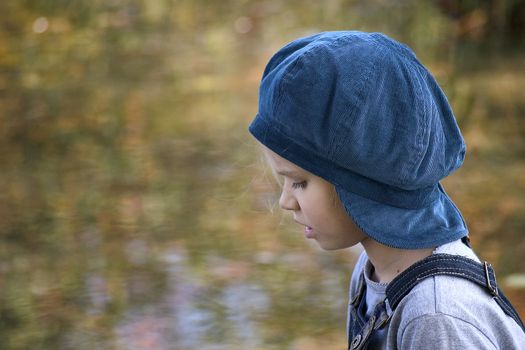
[363, 134]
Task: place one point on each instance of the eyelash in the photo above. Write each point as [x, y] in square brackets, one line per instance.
[301, 184]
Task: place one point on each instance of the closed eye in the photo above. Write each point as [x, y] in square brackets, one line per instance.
[301, 184]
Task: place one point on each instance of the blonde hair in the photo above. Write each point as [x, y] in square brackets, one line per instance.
[265, 160]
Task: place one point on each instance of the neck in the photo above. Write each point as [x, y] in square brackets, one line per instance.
[389, 262]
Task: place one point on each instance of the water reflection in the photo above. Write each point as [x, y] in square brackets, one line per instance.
[133, 211]
[194, 314]
[228, 304]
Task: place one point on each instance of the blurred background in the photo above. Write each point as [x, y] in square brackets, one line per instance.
[135, 212]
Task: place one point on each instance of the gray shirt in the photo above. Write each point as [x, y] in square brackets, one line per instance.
[441, 312]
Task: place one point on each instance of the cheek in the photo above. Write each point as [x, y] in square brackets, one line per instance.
[318, 208]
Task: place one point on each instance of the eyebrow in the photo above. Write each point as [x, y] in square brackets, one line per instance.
[288, 172]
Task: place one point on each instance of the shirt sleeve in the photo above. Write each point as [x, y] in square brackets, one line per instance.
[440, 331]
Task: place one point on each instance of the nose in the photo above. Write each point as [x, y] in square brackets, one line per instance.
[287, 201]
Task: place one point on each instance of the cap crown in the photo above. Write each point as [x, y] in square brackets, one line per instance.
[363, 103]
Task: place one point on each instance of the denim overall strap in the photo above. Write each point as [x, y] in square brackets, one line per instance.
[361, 327]
[450, 265]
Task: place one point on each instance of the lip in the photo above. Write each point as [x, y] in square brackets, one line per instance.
[308, 231]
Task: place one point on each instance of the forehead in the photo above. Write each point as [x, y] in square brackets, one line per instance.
[280, 165]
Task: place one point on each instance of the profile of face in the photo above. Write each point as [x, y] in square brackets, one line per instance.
[315, 205]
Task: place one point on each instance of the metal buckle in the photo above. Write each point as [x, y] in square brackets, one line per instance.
[493, 289]
[356, 342]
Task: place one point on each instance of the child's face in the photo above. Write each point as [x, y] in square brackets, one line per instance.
[315, 205]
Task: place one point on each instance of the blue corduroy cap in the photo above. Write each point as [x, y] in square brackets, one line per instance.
[359, 110]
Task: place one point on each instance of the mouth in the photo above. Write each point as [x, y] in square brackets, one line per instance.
[308, 232]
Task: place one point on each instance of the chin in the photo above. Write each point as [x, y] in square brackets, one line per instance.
[330, 247]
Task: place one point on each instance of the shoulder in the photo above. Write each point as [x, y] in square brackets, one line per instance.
[439, 308]
[453, 311]
[442, 331]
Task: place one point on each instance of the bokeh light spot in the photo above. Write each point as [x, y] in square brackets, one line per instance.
[40, 25]
[243, 25]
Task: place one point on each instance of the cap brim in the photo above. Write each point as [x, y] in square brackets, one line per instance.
[431, 226]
